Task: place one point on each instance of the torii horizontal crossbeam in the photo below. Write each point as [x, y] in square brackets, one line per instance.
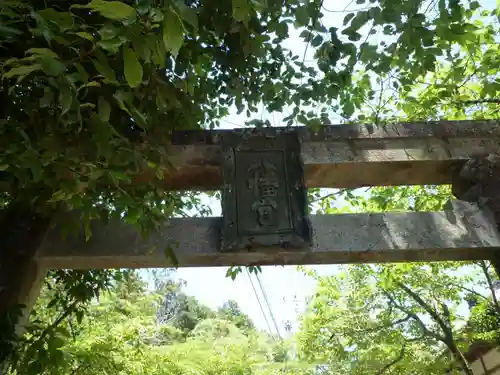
[347, 156]
[462, 232]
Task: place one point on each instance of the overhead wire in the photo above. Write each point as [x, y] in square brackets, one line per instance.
[258, 300]
[266, 300]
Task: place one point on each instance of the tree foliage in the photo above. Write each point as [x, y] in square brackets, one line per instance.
[232, 312]
[418, 318]
[91, 91]
[401, 318]
[120, 333]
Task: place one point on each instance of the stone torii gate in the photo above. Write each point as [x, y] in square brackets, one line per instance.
[263, 175]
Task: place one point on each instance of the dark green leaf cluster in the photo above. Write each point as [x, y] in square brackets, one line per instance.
[91, 92]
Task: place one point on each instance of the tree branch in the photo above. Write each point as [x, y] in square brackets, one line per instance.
[448, 339]
[415, 317]
[394, 361]
[484, 267]
[415, 339]
[476, 293]
[479, 101]
[379, 328]
[416, 297]
[59, 320]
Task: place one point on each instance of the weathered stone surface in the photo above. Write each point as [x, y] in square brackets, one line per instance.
[264, 200]
[347, 155]
[21, 275]
[21, 232]
[478, 181]
[462, 232]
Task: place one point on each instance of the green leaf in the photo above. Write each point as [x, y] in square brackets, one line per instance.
[6, 31]
[360, 20]
[112, 45]
[47, 99]
[132, 67]
[156, 15]
[173, 32]
[79, 316]
[474, 5]
[52, 67]
[102, 66]
[84, 77]
[355, 36]
[241, 10]
[141, 49]
[113, 10]
[347, 18]
[302, 16]
[84, 35]
[306, 34]
[318, 39]
[108, 31]
[282, 30]
[22, 71]
[35, 367]
[159, 53]
[348, 108]
[121, 97]
[457, 29]
[119, 176]
[62, 19]
[302, 119]
[187, 14]
[92, 84]
[104, 109]
[138, 116]
[65, 99]
[42, 52]
[88, 230]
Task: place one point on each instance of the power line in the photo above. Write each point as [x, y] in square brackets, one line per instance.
[258, 300]
[272, 317]
[268, 305]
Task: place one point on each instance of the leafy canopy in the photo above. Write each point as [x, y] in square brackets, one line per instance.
[91, 91]
[125, 331]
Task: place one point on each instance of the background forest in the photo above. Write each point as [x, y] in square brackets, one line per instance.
[90, 95]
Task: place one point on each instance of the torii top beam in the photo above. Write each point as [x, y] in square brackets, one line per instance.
[347, 156]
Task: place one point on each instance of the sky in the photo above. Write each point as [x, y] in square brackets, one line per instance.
[286, 288]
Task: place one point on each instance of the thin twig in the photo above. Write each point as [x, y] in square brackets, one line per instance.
[340, 192]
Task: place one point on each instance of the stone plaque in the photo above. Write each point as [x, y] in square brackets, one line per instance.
[264, 200]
